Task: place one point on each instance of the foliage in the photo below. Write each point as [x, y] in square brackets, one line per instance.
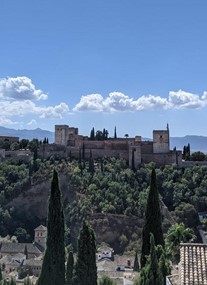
[187, 214]
[156, 267]
[112, 189]
[153, 222]
[105, 280]
[24, 272]
[99, 135]
[86, 271]
[53, 267]
[186, 152]
[21, 235]
[198, 156]
[177, 234]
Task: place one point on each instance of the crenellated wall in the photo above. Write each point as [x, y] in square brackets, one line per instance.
[69, 144]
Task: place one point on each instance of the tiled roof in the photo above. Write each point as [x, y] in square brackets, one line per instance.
[104, 248]
[41, 228]
[193, 264]
[6, 247]
[106, 265]
[33, 262]
[124, 260]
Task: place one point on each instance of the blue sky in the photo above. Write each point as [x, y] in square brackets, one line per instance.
[136, 65]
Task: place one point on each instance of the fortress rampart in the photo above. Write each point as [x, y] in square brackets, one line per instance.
[68, 143]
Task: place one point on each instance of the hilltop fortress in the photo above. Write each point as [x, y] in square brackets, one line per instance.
[69, 143]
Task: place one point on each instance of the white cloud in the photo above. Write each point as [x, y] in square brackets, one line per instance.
[5, 121]
[92, 102]
[182, 99]
[117, 101]
[53, 112]
[17, 108]
[19, 98]
[20, 88]
[151, 102]
[32, 123]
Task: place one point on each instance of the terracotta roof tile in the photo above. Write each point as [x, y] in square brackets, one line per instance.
[13, 248]
[193, 264]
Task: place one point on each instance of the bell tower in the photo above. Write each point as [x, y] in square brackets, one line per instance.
[41, 236]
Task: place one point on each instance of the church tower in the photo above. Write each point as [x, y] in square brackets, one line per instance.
[41, 236]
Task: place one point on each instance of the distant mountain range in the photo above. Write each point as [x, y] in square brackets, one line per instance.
[28, 134]
[196, 142]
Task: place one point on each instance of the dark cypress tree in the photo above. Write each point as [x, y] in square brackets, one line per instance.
[92, 134]
[153, 220]
[91, 163]
[53, 267]
[136, 263]
[69, 269]
[79, 156]
[26, 251]
[104, 134]
[115, 135]
[83, 151]
[133, 165]
[86, 270]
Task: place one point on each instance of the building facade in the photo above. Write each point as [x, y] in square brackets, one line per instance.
[68, 143]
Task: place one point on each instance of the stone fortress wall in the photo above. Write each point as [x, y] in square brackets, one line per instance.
[9, 138]
[68, 143]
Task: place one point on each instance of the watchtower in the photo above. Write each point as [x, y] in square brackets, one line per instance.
[161, 141]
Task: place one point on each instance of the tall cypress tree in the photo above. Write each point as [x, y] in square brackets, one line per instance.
[26, 251]
[86, 270]
[91, 163]
[136, 262]
[53, 267]
[153, 220]
[115, 135]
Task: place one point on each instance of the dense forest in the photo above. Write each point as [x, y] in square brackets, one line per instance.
[106, 187]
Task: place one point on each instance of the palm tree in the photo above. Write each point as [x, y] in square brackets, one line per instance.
[126, 136]
[177, 234]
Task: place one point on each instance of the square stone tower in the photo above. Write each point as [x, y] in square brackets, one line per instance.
[41, 236]
[161, 141]
[61, 134]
